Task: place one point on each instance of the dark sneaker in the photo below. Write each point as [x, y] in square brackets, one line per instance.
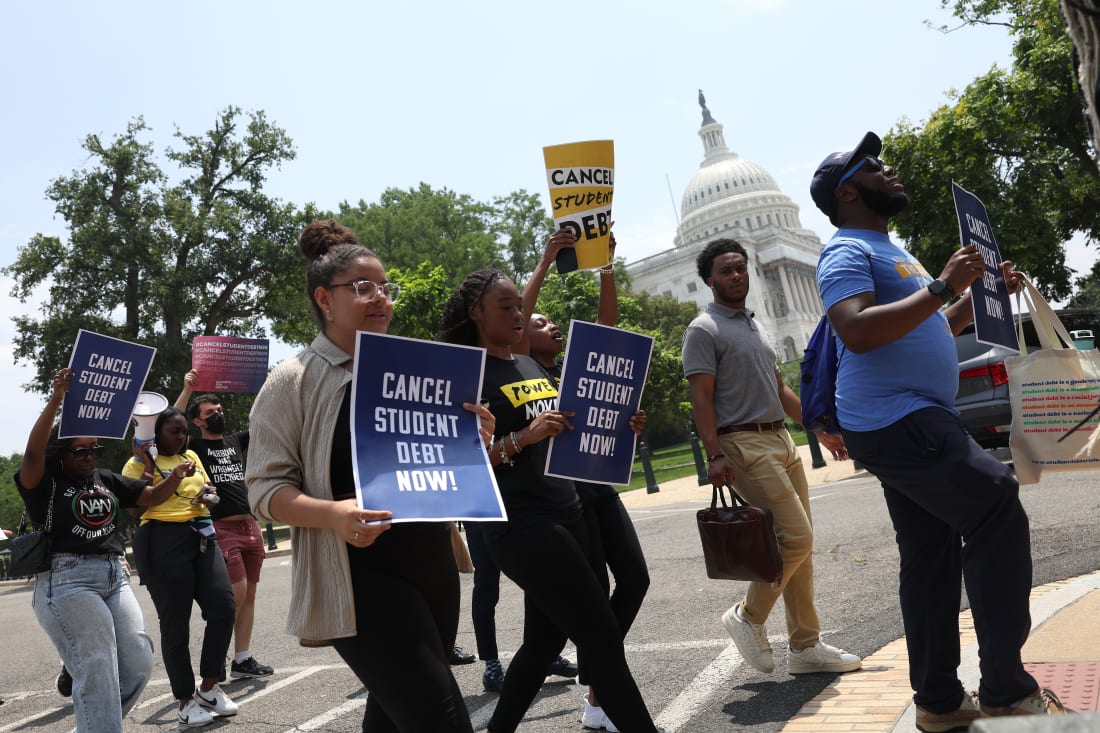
[249, 668]
[1041, 702]
[493, 676]
[562, 667]
[64, 682]
[461, 656]
[955, 721]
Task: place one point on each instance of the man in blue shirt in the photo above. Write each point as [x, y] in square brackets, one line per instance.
[895, 396]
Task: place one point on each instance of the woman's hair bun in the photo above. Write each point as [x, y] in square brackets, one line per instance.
[322, 235]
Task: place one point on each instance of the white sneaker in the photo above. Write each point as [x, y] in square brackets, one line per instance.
[215, 701]
[193, 716]
[596, 718]
[822, 658]
[580, 685]
[751, 640]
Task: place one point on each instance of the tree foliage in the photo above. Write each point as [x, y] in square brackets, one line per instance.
[158, 261]
[1017, 139]
[11, 504]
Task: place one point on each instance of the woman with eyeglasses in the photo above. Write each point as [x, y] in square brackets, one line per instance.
[84, 601]
[178, 560]
[385, 596]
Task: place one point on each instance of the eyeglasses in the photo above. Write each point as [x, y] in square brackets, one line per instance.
[81, 453]
[369, 289]
[873, 164]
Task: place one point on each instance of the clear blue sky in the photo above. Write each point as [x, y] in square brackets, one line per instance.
[464, 95]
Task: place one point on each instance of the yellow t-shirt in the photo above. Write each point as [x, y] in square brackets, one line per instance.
[178, 506]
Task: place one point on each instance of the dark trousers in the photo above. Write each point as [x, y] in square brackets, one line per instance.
[406, 615]
[613, 544]
[486, 593]
[563, 599]
[956, 512]
[178, 572]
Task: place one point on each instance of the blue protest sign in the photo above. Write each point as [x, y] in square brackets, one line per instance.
[602, 379]
[417, 451]
[108, 375]
[992, 309]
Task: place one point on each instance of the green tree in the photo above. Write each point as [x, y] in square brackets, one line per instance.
[520, 225]
[406, 228]
[1017, 139]
[159, 261]
[11, 505]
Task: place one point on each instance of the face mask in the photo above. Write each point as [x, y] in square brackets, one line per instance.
[216, 423]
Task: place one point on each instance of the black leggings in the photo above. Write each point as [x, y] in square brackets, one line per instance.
[486, 593]
[406, 613]
[562, 599]
[613, 543]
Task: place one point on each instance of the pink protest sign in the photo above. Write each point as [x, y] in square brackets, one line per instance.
[229, 363]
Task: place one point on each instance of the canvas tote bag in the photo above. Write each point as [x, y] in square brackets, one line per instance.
[1052, 390]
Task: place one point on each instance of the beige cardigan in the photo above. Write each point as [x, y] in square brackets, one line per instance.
[291, 428]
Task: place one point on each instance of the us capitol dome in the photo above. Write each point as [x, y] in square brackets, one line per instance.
[733, 197]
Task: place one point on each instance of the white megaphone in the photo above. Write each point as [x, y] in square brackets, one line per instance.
[149, 406]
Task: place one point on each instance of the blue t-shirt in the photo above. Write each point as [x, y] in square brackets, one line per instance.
[920, 369]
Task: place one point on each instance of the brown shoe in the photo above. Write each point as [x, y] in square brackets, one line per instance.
[1041, 702]
[955, 721]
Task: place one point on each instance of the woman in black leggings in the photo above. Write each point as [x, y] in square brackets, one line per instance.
[612, 542]
[543, 546]
[385, 596]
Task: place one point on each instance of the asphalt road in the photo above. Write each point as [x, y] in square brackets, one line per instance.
[691, 676]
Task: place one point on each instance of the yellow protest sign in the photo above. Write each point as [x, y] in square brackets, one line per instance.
[581, 177]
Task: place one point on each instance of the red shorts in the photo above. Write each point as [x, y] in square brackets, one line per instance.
[242, 545]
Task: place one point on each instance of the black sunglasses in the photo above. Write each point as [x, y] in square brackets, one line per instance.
[79, 453]
[873, 164]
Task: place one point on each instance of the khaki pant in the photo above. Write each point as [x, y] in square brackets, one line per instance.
[768, 472]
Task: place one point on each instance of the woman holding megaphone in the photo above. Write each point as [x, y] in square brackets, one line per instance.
[179, 562]
[84, 601]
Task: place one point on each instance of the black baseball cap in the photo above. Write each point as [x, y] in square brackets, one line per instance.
[828, 174]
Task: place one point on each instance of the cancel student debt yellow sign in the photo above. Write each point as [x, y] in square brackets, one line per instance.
[581, 177]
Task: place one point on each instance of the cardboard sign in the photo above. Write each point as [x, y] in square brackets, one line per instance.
[581, 177]
[602, 379]
[989, 294]
[417, 451]
[108, 375]
[229, 363]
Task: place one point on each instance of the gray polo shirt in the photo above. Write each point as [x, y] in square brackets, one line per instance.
[727, 343]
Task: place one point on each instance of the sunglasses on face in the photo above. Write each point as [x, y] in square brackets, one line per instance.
[872, 164]
[81, 453]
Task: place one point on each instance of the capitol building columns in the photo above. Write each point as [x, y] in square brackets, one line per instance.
[730, 196]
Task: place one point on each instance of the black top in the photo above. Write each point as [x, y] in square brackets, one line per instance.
[413, 550]
[224, 463]
[518, 391]
[85, 510]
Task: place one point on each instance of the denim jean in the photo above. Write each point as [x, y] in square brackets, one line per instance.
[86, 606]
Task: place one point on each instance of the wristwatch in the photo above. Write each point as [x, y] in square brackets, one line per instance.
[942, 289]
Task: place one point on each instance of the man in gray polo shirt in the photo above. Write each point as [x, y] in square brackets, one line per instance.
[739, 401]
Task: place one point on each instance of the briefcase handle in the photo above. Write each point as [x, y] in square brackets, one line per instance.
[718, 492]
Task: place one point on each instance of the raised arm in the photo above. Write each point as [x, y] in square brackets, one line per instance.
[33, 467]
[609, 295]
[555, 243]
[189, 381]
